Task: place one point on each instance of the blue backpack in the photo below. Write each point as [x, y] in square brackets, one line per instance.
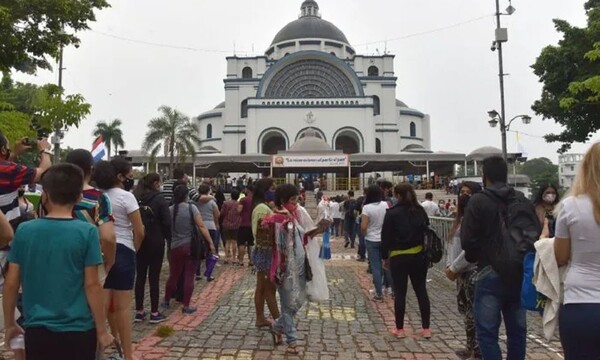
[531, 299]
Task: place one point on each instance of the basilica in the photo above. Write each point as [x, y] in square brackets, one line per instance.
[311, 77]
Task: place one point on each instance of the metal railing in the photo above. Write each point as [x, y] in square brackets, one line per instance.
[442, 227]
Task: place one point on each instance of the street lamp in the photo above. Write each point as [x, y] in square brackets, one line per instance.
[501, 36]
[496, 118]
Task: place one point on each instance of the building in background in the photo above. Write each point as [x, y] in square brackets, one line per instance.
[311, 67]
[568, 166]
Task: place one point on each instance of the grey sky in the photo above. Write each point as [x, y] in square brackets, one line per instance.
[450, 74]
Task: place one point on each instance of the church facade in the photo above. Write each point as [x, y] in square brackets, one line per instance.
[311, 72]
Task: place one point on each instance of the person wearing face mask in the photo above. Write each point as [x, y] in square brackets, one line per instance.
[464, 273]
[150, 256]
[294, 228]
[545, 201]
[115, 178]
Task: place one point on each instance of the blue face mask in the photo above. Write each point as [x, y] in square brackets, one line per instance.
[270, 195]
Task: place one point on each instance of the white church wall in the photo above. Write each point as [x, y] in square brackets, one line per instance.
[331, 121]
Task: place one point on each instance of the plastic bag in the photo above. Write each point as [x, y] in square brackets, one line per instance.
[325, 251]
[317, 289]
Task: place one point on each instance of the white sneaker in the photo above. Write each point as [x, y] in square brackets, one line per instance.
[372, 291]
[389, 291]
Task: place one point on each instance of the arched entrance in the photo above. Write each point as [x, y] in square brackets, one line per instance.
[348, 141]
[272, 142]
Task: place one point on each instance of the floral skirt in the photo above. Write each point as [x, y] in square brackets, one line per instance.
[261, 258]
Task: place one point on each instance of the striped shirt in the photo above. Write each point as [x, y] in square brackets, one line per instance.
[13, 176]
[94, 208]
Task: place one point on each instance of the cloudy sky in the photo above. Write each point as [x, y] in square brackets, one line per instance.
[443, 60]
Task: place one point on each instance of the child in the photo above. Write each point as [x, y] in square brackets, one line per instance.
[55, 259]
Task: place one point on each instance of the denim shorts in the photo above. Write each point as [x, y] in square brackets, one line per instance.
[122, 274]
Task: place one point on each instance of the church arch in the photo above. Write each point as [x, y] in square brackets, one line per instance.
[349, 140]
[376, 105]
[413, 129]
[320, 134]
[373, 71]
[247, 73]
[272, 140]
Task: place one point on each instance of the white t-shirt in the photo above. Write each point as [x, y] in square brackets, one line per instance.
[576, 222]
[376, 213]
[431, 208]
[123, 204]
[335, 210]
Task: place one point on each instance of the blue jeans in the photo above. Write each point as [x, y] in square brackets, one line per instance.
[285, 323]
[362, 245]
[495, 300]
[374, 251]
[350, 230]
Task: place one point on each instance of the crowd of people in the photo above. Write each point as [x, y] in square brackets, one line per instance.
[71, 267]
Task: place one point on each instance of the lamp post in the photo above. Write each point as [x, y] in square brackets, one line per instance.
[496, 118]
[501, 37]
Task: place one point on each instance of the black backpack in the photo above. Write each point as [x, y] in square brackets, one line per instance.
[146, 211]
[433, 246]
[519, 229]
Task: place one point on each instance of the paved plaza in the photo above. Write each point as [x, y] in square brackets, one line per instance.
[348, 326]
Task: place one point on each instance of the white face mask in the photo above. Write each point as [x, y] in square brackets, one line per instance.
[550, 198]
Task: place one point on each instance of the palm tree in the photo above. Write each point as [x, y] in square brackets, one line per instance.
[111, 134]
[174, 133]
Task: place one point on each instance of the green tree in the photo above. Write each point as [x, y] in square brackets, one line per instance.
[541, 171]
[111, 134]
[174, 134]
[45, 107]
[33, 30]
[570, 73]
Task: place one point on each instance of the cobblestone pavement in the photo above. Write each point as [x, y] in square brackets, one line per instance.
[348, 326]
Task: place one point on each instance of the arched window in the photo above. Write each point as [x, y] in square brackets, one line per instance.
[373, 71]
[247, 73]
[209, 131]
[377, 146]
[413, 129]
[243, 147]
[376, 105]
[244, 109]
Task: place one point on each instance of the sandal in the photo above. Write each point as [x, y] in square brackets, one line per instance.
[292, 349]
[263, 324]
[276, 335]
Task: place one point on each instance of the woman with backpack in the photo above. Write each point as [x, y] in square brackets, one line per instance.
[187, 227]
[402, 242]
[464, 273]
[157, 223]
[578, 243]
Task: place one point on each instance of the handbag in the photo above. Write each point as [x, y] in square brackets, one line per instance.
[198, 248]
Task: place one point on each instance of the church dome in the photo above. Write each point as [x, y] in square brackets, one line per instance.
[310, 143]
[311, 26]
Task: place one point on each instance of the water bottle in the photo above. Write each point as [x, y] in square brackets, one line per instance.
[17, 345]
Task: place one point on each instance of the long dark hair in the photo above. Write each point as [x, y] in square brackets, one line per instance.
[460, 209]
[180, 195]
[407, 196]
[373, 194]
[539, 197]
[146, 185]
[260, 188]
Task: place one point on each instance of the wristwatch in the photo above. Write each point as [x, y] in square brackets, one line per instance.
[47, 152]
